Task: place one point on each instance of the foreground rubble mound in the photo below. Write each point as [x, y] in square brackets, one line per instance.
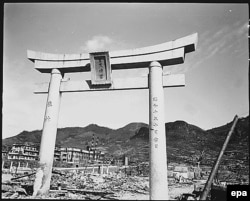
[77, 185]
[123, 184]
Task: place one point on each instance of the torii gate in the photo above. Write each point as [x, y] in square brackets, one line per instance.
[101, 65]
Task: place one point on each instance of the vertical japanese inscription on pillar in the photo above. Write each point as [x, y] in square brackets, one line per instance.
[47, 117]
[155, 122]
[100, 68]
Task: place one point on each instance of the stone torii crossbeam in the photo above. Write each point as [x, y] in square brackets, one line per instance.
[101, 65]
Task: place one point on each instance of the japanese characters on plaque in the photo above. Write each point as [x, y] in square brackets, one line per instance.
[155, 121]
[100, 68]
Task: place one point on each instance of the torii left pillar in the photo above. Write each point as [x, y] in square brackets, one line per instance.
[44, 171]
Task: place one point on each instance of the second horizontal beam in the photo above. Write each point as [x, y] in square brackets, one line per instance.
[175, 80]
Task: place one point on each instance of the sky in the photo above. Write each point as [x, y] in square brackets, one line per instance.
[217, 73]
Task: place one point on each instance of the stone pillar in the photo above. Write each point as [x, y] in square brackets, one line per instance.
[102, 169]
[11, 163]
[126, 161]
[99, 169]
[48, 139]
[19, 165]
[158, 156]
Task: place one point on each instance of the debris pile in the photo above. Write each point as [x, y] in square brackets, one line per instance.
[123, 183]
[78, 185]
[13, 191]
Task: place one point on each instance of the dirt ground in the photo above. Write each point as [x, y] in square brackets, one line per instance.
[176, 190]
[174, 193]
[132, 196]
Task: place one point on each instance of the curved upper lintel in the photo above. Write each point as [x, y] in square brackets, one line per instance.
[169, 53]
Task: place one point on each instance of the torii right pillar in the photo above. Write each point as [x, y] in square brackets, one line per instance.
[158, 157]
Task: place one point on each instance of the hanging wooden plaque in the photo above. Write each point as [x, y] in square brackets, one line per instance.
[100, 68]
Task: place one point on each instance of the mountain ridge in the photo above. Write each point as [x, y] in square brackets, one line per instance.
[133, 139]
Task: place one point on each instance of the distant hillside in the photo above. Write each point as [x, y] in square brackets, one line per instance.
[25, 136]
[238, 145]
[79, 137]
[184, 141]
[241, 131]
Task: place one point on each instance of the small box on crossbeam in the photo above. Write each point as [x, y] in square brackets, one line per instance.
[100, 68]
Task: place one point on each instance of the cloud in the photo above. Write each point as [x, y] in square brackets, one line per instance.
[103, 43]
[226, 40]
[97, 43]
[243, 29]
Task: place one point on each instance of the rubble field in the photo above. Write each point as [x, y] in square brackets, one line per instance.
[117, 185]
[79, 185]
